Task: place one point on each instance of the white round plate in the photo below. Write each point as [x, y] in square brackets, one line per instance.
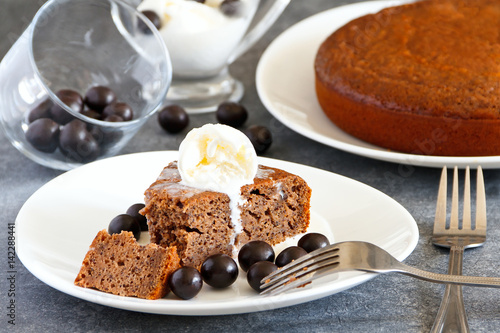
[285, 84]
[57, 224]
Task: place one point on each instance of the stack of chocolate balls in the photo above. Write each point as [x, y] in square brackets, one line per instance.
[52, 127]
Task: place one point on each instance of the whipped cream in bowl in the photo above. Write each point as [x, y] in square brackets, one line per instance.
[200, 36]
[203, 38]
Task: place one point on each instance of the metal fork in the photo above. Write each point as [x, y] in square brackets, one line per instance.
[451, 316]
[355, 256]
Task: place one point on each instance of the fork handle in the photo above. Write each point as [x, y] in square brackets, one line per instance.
[451, 316]
[476, 281]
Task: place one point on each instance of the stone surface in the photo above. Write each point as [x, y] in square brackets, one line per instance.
[389, 303]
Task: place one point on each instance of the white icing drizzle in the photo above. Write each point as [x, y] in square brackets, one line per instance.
[236, 201]
[177, 190]
[263, 173]
[170, 173]
[279, 189]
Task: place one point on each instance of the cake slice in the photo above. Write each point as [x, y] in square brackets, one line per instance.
[117, 264]
[199, 223]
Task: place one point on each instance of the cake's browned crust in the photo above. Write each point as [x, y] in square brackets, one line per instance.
[421, 78]
[199, 224]
[117, 264]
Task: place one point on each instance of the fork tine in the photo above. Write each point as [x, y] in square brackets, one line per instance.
[480, 202]
[299, 280]
[454, 201]
[440, 217]
[301, 270]
[316, 257]
[466, 217]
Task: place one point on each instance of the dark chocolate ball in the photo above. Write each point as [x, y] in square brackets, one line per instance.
[289, 254]
[134, 212]
[98, 97]
[219, 271]
[73, 100]
[260, 137]
[313, 241]
[173, 118]
[96, 133]
[71, 94]
[258, 271]
[120, 109]
[231, 7]
[107, 137]
[114, 118]
[124, 222]
[232, 114]
[92, 114]
[185, 282]
[153, 17]
[253, 252]
[42, 110]
[43, 134]
[77, 143]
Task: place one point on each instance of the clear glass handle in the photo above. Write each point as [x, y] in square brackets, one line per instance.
[266, 15]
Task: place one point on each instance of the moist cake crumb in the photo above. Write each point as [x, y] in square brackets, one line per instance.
[119, 265]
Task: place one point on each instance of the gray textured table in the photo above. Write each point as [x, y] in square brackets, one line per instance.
[390, 303]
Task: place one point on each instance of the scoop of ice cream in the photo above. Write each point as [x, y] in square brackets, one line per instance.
[218, 158]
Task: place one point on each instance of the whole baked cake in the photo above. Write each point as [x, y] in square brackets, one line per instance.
[420, 78]
[119, 265]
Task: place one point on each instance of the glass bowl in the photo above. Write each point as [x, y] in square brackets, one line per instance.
[81, 81]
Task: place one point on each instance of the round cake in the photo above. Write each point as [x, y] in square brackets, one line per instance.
[420, 78]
